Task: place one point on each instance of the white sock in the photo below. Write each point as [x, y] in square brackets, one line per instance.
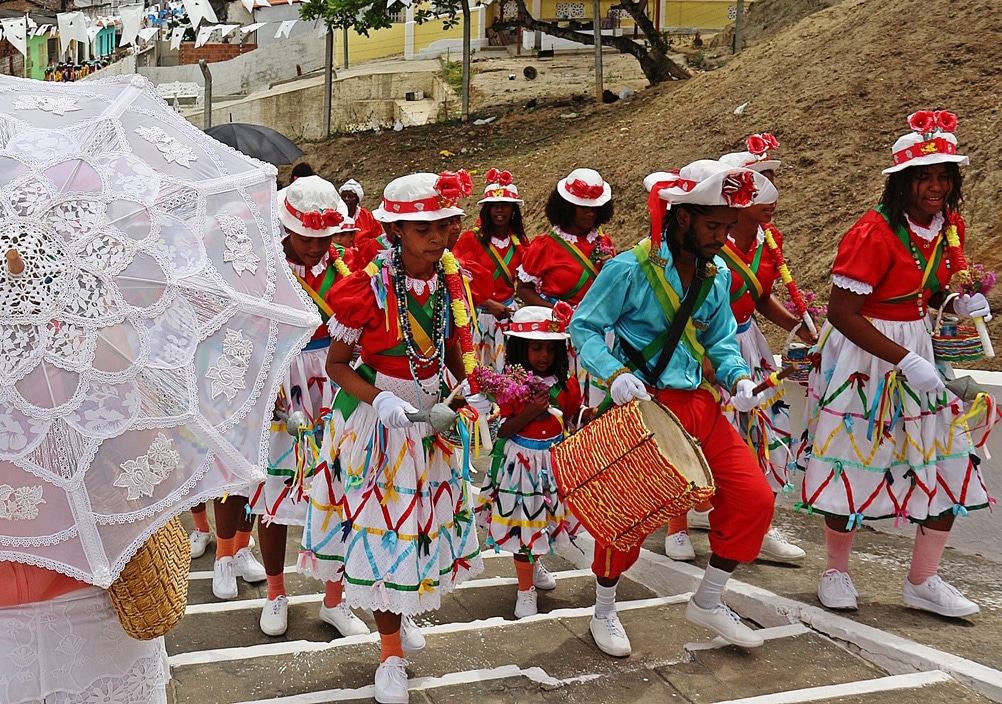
[709, 590]
[605, 600]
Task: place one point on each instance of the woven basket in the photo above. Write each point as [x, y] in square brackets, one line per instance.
[797, 357]
[629, 471]
[955, 343]
[151, 594]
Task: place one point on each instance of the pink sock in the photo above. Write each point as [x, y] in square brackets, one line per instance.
[276, 586]
[332, 595]
[929, 546]
[839, 546]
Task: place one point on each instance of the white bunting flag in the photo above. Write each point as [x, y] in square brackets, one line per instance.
[72, 26]
[248, 5]
[225, 29]
[198, 10]
[132, 22]
[203, 35]
[15, 30]
[147, 33]
[285, 28]
[244, 31]
[176, 37]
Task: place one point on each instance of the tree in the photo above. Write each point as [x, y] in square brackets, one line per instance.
[654, 61]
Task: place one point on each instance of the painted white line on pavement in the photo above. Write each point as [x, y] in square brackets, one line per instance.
[794, 629]
[291, 569]
[535, 674]
[249, 652]
[215, 607]
[913, 680]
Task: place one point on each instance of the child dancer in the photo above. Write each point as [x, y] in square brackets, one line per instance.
[519, 507]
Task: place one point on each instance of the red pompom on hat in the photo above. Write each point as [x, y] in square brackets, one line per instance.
[311, 207]
[931, 141]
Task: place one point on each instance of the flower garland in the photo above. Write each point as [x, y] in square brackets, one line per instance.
[955, 253]
[787, 277]
[460, 314]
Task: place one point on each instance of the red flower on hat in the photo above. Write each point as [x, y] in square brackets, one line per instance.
[923, 121]
[562, 312]
[320, 220]
[453, 185]
[739, 189]
[332, 218]
[503, 178]
[757, 144]
[945, 121]
[770, 140]
[582, 189]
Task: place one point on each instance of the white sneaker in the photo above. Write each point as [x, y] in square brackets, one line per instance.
[275, 616]
[247, 566]
[610, 636]
[224, 578]
[699, 519]
[391, 681]
[777, 548]
[836, 590]
[542, 578]
[525, 603]
[939, 597]
[678, 547]
[724, 622]
[342, 618]
[199, 541]
[411, 638]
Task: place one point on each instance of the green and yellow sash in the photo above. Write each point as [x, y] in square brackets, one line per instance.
[588, 273]
[748, 274]
[929, 266]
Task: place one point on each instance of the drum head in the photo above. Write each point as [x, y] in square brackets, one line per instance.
[675, 443]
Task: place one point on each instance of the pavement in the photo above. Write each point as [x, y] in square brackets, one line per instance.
[478, 652]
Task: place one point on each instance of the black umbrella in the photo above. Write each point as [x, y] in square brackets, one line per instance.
[256, 141]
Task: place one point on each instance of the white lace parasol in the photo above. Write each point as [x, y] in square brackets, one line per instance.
[146, 320]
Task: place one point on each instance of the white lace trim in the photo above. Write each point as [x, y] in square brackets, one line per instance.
[343, 333]
[418, 286]
[927, 233]
[141, 475]
[863, 289]
[173, 151]
[573, 239]
[56, 104]
[300, 269]
[239, 246]
[528, 278]
[229, 373]
[20, 504]
[759, 238]
[501, 243]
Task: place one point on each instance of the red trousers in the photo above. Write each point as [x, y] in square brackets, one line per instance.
[743, 502]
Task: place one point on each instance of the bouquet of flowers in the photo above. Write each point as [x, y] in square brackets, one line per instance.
[812, 304]
[970, 279]
[514, 384]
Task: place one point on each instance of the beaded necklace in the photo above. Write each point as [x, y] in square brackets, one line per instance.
[914, 251]
[415, 357]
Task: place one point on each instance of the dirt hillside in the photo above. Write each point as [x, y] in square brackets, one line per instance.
[834, 88]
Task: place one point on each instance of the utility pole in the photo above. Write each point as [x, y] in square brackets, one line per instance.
[344, 37]
[597, 26]
[207, 98]
[466, 61]
[328, 81]
[739, 25]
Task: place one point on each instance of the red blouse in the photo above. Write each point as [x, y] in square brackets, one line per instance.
[368, 227]
[873, 254]
[760, 264]
[546, 425]
[315, 283]
[356, 307]
[560, 273]
[471, 249]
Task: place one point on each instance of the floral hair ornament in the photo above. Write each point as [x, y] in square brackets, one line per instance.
[311, 207]
[585, 187]
[931, 141]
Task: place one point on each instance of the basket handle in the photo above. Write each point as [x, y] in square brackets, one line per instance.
[939, 314]
[789, 338]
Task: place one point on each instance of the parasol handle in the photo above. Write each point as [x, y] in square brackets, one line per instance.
[15, 265]
[768, 383]
[806, 317]
[986, 341]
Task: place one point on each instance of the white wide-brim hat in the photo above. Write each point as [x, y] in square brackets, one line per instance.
[496, 193]
[585, 187]
[308, 201]
[710, 182]
[347, 226]
[537, 323]
[419, 197]
[913, 149]
[748, 160]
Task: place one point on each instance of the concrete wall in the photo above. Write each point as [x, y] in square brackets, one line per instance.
[276, 14]
[358, 102]
[431, 40]
[253, 71]
[380, 44]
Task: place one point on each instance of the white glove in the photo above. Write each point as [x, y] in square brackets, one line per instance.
[744, 398]
[481, 404]
[973, 306]
[922, 374]
[392, 410]
[627, 387]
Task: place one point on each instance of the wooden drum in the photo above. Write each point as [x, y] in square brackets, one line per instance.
[629, 471]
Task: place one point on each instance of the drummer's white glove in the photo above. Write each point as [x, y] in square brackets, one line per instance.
[480, 403]
[392, 410]
[973, 306]
[744, 398]
[627, 387]
[921, 373]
